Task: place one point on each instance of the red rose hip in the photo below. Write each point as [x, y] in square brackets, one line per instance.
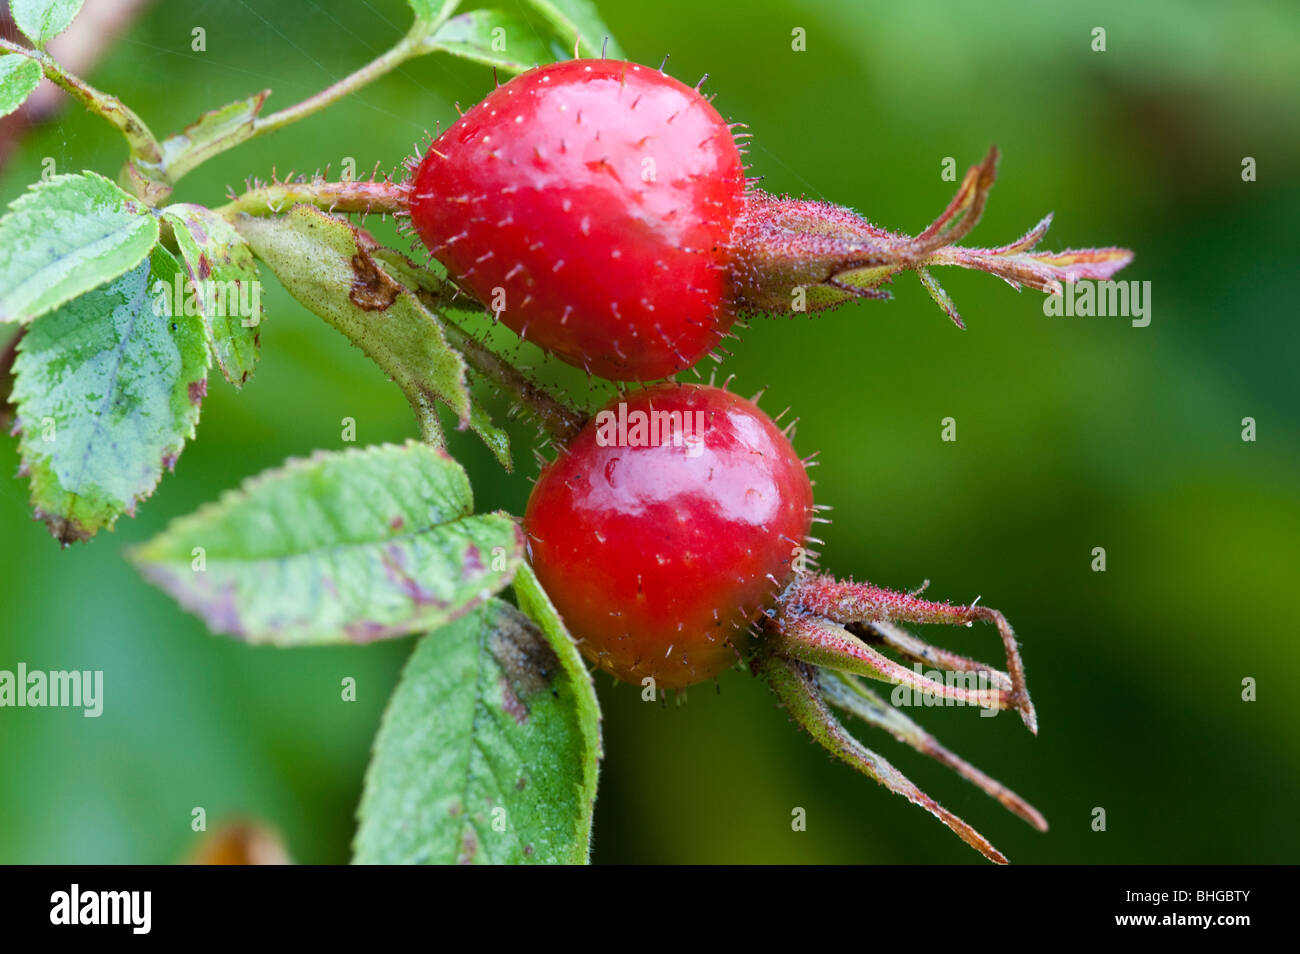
[666, 528]
[589, 204]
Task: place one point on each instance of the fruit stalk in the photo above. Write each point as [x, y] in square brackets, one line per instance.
[142, 142]
[560, 422]
[360, 196]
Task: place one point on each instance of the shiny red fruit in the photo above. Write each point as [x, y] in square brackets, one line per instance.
[666, 528]
[590, 204]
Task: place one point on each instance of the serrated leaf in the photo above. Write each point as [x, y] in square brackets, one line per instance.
[577, 21]
[107, 389]
[225, 286]
[43, 20]
[65, 236]
[346, 546]
[484, 755]
[18, 77]
[215, 131]
[492, 37]
[328, 266]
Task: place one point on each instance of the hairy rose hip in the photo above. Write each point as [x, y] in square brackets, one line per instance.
[588, 203]
[600, 209]
[666, 528]
[665, 533]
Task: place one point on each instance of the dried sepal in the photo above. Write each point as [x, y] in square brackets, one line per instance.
[848, 602]
[797, 687]
[848, 694]
[820, 642]
[791, 255]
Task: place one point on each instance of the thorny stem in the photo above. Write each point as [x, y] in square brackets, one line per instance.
[144, 146]
[560, 421]
[151, 174]
[349, 196]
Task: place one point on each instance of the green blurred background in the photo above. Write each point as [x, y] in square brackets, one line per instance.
[1072, 434]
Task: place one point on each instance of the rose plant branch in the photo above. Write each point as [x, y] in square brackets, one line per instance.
[359, 196]
[152, 170]
[602, 210]
[414, 43]
[142, 143]
[418, 41]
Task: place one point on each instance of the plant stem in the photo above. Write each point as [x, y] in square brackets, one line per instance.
[415, 43]
[358, 196]
[410, 46]
[559, 420]
[141, 141]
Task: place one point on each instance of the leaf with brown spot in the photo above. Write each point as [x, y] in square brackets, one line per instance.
[330, 268]
[482, 705]
[372, 290]
[223, 283]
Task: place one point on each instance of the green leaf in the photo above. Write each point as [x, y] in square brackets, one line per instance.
[215, 131]
[577, 21]
[18, 77]
[494, 38]
[535, 604]
[346, 546]
[226, 289]
[65, 236]
[43, 20]
[329, 267]
[485, 755]
[496, 439]
[107, 390]
[432, 11]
